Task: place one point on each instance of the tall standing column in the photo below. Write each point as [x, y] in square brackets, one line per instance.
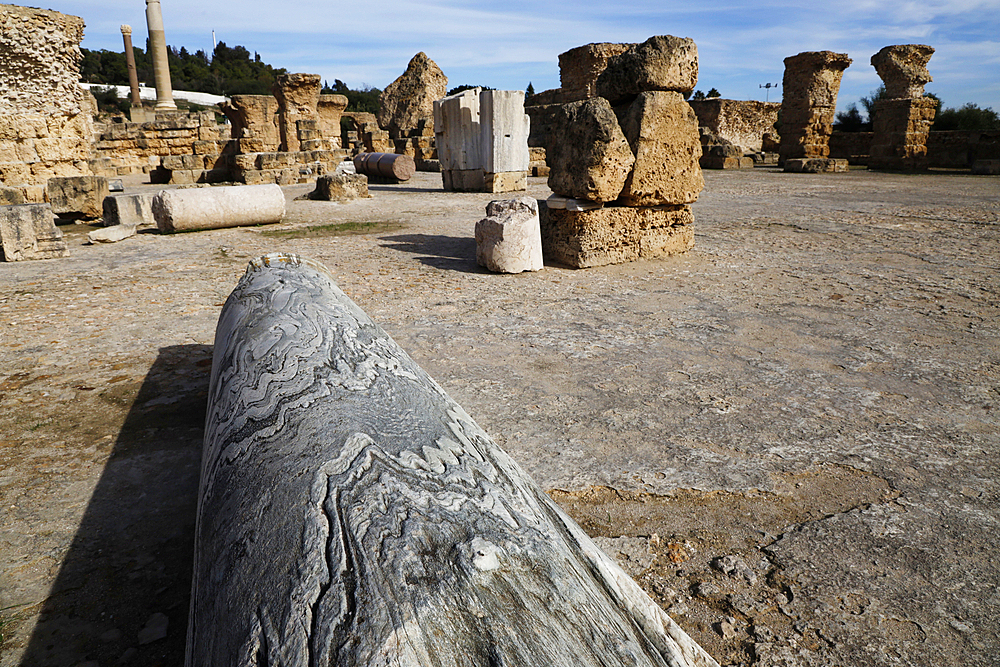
[133, 78]
[158, 52]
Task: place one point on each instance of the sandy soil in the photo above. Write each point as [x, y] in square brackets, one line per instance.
[788, 435]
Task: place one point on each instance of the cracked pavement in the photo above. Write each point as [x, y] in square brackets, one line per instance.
[788, 435]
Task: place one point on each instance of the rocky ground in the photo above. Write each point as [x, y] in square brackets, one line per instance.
[788, 435]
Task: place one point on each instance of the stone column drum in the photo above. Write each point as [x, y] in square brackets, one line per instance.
[809, 102]
[158, 52]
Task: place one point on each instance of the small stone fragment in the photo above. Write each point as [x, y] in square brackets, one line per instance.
[155, 630]
[340, 187]
[509, 239]
[734, 566]
[111, 234]
[707, 590]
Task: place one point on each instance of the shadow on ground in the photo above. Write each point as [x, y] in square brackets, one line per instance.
[131, 559]
[402, 188]
[442, 252]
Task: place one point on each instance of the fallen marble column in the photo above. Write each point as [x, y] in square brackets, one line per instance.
[351, 513]
[218, 207]
[385, 165]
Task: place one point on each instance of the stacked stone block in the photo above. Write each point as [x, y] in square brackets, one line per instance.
[580, 67]
[740, 123]
[809, 103]
[901, 123]
[482, 140]
[625, 165]
[45, 128]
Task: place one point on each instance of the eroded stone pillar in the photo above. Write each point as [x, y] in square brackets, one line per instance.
[809, 103]
[158, 52]
[298, 99]
[902, 122]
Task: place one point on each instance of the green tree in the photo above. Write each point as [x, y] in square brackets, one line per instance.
[869, 102]
[713, 93]
[967, 117]
[698, 95]
[529, 92]
[851, 121]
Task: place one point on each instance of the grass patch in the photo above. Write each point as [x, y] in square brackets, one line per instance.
[335, 229]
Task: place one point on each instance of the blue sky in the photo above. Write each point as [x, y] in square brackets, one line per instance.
[505, 45]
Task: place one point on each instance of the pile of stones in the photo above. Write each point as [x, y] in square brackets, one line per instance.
[624, 166]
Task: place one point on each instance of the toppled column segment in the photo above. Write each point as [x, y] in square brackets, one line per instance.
[218, 207]
[337, 476]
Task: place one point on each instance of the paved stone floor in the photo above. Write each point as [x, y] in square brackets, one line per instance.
[788, 435]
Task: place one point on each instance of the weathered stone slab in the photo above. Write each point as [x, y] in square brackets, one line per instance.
[903, 69]
[217, 207]
[815, 165]
[663, 62]
[132, 209]
[340, 187]
[29, 231]
[11, 196]
[508, 239]
[77, 196]
[614, 234]
[112, 234]
[410, 98]
[588, 155]
[506, 181]
[741, 162]
[662, 131]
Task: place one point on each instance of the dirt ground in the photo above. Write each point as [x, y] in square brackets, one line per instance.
[788, 435]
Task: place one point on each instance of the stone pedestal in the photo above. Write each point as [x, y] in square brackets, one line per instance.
[900, 128]
[509, 239]
[809, 103]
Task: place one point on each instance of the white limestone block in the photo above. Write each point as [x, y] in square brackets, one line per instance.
[504, 131]
[509, 239]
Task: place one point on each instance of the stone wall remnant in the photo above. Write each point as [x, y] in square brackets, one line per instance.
[809, 102]
[298, 100]
[740, 122]
[254, 122]
[482, 140]
[509, 239]
[29, 231]
[410, 98]
[329, 109]
[578, 72]
[901, 123]
[662, 62]
[45, 127]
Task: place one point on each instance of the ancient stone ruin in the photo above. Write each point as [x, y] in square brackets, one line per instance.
[45, 125]
[580, 67]
[733, 130]
[406, 110]
[901, 123]
[808, 105]
[482, 140]
[624, 166]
